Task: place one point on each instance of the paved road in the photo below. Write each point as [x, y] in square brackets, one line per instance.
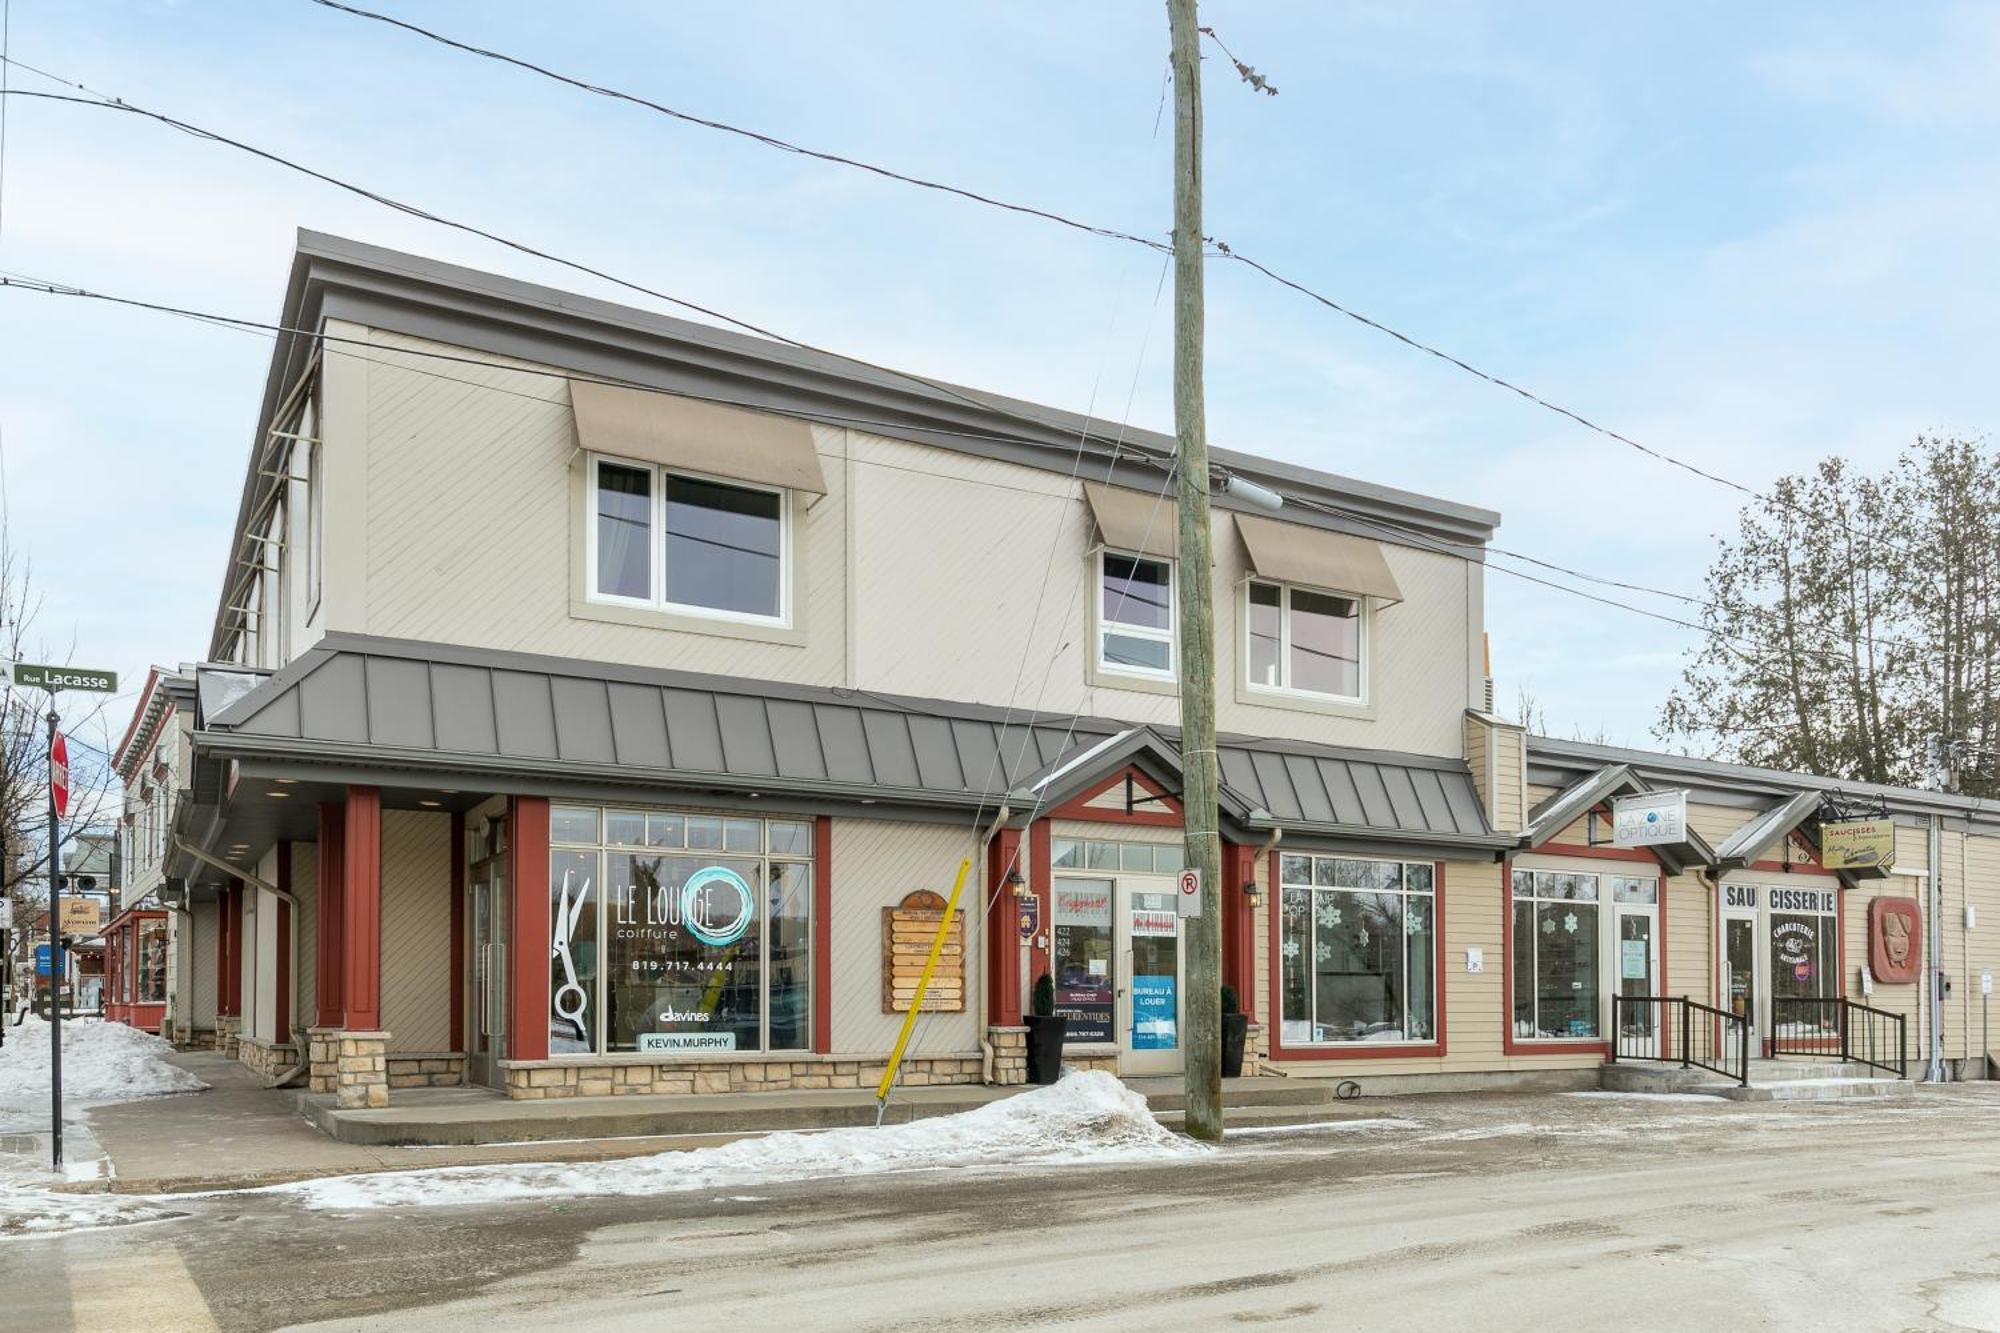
[1496, 1213]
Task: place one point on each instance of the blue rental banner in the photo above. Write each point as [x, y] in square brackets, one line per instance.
[1155, 1023]
[43, 963]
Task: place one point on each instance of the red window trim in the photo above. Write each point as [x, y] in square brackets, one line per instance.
[1164, 813]
[1415, 1050]
[822, 935]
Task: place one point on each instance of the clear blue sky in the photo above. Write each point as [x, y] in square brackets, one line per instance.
[1750, 236]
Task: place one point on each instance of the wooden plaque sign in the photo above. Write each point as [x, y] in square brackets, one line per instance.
[907, 931]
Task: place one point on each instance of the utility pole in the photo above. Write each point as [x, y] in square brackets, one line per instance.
[55, 951]
[1201, 1008]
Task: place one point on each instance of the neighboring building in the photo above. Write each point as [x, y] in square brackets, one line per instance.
[592, 692]
[147, 950]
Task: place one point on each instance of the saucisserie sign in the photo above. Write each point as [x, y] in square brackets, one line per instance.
[1858, 844]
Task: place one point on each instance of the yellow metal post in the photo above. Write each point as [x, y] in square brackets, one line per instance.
[923, 985]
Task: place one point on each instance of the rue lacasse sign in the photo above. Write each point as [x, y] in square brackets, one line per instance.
[33, 676]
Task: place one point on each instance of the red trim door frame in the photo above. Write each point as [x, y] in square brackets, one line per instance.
[361, 911]
[329, 1005]
[822, 935]
[281, 1016]
[1003, 940]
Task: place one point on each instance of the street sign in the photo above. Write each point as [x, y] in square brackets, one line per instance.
[81, 916]
[43, 965]
[58, 773]
[33, 676]
[1190, 894]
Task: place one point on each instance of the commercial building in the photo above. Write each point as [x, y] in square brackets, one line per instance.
[598, 703]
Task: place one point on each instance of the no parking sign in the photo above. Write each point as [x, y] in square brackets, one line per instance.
[1189, 897]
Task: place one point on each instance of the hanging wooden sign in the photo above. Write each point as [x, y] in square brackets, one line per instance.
[907, 931]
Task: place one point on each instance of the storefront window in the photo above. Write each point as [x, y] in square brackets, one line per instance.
[703, 923]
[1556, 987]
[152, 962]
[1805, 959]
[1358, 950]
[1082, 961]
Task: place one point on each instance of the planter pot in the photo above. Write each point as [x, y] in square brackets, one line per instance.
[1045, 1043]
[1235, 1030]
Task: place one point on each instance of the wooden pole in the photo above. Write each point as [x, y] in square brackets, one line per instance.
[1201, 1007]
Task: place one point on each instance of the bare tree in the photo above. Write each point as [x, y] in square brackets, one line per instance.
[1852, 616]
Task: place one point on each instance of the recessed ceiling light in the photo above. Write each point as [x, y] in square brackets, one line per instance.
[284, 782]
[430, 805]
[278, 795]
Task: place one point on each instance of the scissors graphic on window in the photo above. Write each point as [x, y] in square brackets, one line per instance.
[570, 998]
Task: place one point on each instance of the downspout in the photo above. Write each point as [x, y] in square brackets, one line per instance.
[1935, 1072]
[1270, 896]
[982, 1012]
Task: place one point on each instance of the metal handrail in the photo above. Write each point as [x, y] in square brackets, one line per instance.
[1867, 1036]
[1674, 1029]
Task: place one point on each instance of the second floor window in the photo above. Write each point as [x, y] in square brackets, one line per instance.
[1136, 615]
[1305, 641]
[684, 543]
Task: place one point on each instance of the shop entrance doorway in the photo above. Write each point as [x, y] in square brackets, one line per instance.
[1742, 989]
[1149, 983]
[1638, 961]
[486, 978]
[1119, 969]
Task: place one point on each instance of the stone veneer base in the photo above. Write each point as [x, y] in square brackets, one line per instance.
[267, 1059]
[426, 1069]
[536, 1080]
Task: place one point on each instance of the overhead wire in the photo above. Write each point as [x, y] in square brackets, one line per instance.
[1218, 247]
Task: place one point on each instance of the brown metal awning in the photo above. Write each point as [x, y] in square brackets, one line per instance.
[689, 434]
[1317, 558]
[1141, 522]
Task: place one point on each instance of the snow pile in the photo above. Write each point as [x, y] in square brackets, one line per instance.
[26, 1210]
[1085, 1118]
[101, 1062]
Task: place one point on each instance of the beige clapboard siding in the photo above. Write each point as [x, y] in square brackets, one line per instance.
[305, 967]
[1478, 756]
[1982, 949]
[416, 929]
[876, 864]
[1689, 912]
[1509, 767]
[205, 921]
[471, 513]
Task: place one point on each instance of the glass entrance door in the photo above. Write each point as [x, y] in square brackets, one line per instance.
[1638, 964]
[1740, 991]
[1150, 976]
[487, 1041]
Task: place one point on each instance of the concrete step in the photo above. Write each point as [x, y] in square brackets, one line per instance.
[1794, 1070]
[1818, 1089]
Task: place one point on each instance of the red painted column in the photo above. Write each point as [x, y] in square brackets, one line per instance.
[1003, 941]
[281, 1018]
[361, 911]
[232, 969]
[528, 921]
[328, 1008]
[1041, 877]
[459, 980]
[822, 935]
[1239, 924]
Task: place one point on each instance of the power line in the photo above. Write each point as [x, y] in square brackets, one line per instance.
[1407, 534]
[105, 102]
[1220, 249]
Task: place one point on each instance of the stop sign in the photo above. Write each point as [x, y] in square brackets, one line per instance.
[59, 774]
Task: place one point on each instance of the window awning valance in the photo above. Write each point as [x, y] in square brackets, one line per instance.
[1142, 522]
[1317, 558]
[689, 434]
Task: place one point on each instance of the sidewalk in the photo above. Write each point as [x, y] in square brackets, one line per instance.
[239, 1135]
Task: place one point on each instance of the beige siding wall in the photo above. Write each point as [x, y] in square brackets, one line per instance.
[416, 930]
[1689, 912]
[1981, 948]
[876, 864]
[466, 526]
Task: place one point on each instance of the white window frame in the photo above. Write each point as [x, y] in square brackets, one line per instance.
[1106, 626]
[656, 568]
[1364, 643]
[1608, 909]
[315, 528]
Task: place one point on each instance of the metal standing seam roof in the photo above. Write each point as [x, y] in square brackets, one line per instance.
[353, 698]
[1578, 799]
[1748, 843]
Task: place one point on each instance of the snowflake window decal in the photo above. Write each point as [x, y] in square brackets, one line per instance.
[1323, 951]
[1548, 925]
[1290, 949]
[1569, 923]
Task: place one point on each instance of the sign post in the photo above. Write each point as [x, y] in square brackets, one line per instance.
[53, 679]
